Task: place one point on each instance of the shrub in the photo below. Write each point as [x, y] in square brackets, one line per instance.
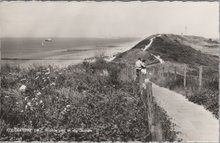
[78, 99]
[208, 98]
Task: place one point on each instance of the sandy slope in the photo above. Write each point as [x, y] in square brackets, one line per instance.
[193, 121]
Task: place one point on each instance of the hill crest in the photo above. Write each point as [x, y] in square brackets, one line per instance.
[173, 48]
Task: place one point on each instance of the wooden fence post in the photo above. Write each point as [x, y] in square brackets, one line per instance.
[175, 73]
[154, 125]
[159, 71]
[153, 71]
[167, 72]
[144, 99]
[184, 82]
[200, 77]
[141, 81]
[163, 71]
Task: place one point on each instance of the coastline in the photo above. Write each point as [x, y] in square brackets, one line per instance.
[72, 58]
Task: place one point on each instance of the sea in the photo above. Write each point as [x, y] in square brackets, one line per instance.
[60, 51]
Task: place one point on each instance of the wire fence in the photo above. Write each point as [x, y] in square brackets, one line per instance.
[184, 75]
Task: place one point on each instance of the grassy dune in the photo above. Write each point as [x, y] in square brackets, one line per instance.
[178, 50]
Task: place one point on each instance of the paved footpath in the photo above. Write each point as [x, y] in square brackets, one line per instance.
[193, 121]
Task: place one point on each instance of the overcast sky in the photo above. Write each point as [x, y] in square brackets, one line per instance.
[108, 19]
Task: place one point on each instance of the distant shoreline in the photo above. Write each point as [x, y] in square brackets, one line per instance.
[27, 59]
[73, 56]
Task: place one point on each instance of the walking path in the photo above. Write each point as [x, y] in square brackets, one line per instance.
[149, 44]
[192, 120]
[151, 41]
[158, 58]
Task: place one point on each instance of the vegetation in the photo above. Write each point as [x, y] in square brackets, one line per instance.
[206, 96]
[173, 48]
[85, 102]
[179, 50]
[175, 51]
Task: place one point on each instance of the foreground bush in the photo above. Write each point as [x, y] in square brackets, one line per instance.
[208, 98]
[77, 103]
[73, 98]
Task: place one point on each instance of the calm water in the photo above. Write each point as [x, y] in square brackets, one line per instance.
[23, 49]
[31, 48]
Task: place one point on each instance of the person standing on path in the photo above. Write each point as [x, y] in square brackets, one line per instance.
[138, 65]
